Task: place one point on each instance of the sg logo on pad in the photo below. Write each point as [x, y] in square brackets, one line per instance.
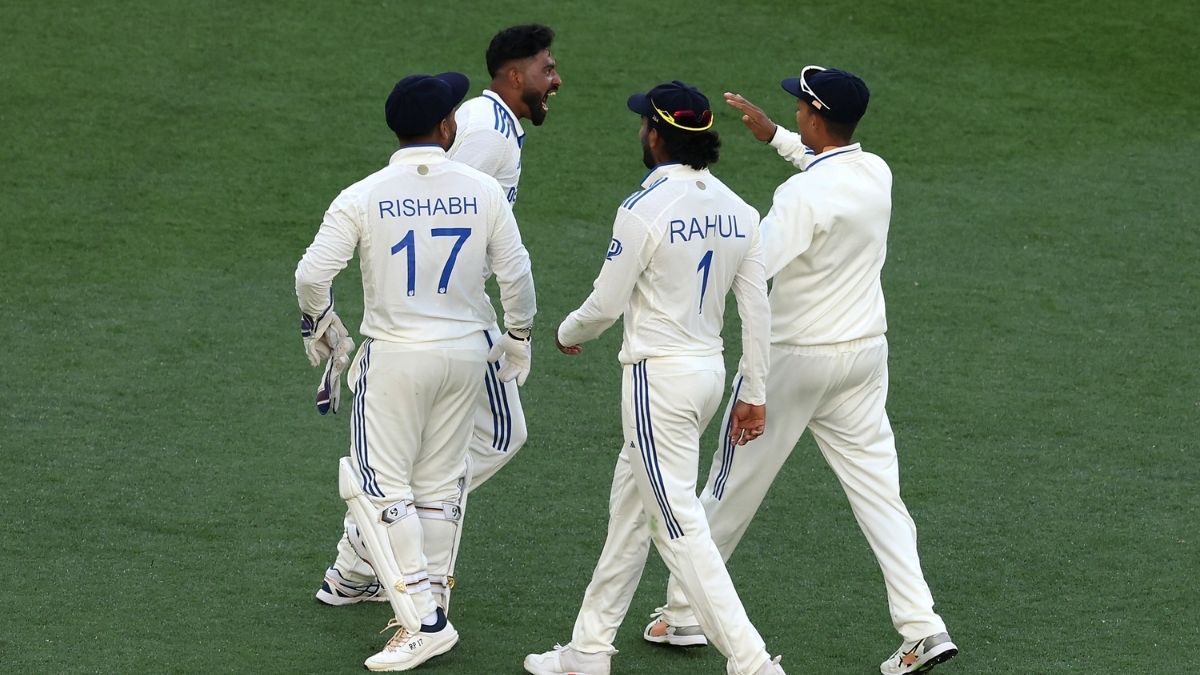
[614, 250]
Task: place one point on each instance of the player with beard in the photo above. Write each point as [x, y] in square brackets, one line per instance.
[524, 75]
[680, 244]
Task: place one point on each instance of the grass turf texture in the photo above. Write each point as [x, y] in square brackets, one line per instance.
[169, 495]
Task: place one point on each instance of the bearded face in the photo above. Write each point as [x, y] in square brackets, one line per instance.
[644, 135]
[541, 81]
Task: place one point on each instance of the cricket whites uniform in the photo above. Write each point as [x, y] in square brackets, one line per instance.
[679, 245]
[490, 139]
[825, 239]
[425, 228]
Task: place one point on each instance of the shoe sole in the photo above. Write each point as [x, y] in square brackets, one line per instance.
[338, 601]
[534, 670]
[397, 667]
[676, 640]
[940, 657]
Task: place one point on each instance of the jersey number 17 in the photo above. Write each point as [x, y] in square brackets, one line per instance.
[408, 245]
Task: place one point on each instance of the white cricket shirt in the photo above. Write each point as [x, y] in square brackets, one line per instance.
[490, 139]
[679, 245]
[425, 229]
[825, 239]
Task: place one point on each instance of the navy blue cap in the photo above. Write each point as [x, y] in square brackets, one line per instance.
[676, 103]
[418, 102]
[836, 94]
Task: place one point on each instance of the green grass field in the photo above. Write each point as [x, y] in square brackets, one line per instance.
[168, 495]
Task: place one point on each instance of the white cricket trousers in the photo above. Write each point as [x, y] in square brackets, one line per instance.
[838, 392]
[499, 422]
[665, 405]
[498, 432]
[411, 424]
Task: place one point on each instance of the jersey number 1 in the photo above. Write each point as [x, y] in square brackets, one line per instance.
[408, 245]
[705, 264]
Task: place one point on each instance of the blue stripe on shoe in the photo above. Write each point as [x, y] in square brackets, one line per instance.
[727, 447]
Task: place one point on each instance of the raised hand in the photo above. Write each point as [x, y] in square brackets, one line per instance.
[753, 117]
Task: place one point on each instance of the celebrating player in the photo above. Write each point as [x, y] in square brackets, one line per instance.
[490, 138]
[524, 76]
[679, 244]
[426, 229]
[825, 239]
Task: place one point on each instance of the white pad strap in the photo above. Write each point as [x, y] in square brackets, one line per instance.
[439, 510]
[441, 542]
[371, 527]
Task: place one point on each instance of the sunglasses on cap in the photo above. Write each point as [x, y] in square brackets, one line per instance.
[705, 118]
[808, 90]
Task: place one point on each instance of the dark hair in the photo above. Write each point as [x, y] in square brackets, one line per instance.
[517, 42]
[841, 130]
[697, 149]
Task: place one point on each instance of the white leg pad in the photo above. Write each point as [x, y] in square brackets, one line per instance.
[441, 525]
[372, 527]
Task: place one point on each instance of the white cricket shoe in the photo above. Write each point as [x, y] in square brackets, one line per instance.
[660, 632]
[566, 661]
[771, 667]
[406, 650]
[919, 656]
[337, 591]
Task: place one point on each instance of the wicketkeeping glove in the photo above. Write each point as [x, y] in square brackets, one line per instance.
[515, 356]
[329, 391]
[320, 334]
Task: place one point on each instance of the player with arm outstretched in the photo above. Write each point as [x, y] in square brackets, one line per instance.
[825, 239]
[490, 138]
[679, 245]
[425, 229]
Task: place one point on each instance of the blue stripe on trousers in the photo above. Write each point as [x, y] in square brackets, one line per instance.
[645, 430]
[370, 484]
[727, 447]
[498, 402]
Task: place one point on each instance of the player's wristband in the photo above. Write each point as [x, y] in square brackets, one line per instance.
[522, 334]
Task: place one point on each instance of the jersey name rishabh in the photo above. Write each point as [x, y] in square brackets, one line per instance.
[446, 206]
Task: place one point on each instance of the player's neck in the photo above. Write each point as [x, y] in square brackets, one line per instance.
[510, 96]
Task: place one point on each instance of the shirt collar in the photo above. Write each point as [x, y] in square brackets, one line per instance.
[511, 116]
[668, 169]
[415, 154]
[852, 149]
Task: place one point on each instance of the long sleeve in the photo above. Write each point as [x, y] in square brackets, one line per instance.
[328, 254]
[790, 147]
[787, 230]
[510, 262]
[629, 254]
[750, 290]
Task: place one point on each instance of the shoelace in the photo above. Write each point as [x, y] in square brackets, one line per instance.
[399, 638]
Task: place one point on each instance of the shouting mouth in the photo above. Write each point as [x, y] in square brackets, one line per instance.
[546, 99]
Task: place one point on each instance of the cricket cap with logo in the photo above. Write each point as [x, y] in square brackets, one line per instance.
[835, 94]
[418, 102]
[675, 104]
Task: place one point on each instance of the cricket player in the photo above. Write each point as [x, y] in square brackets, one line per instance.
[679, 245]
[825, 239]
[524, 77]
[425, 229]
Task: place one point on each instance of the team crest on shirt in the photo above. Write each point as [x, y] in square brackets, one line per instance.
[614, 249]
